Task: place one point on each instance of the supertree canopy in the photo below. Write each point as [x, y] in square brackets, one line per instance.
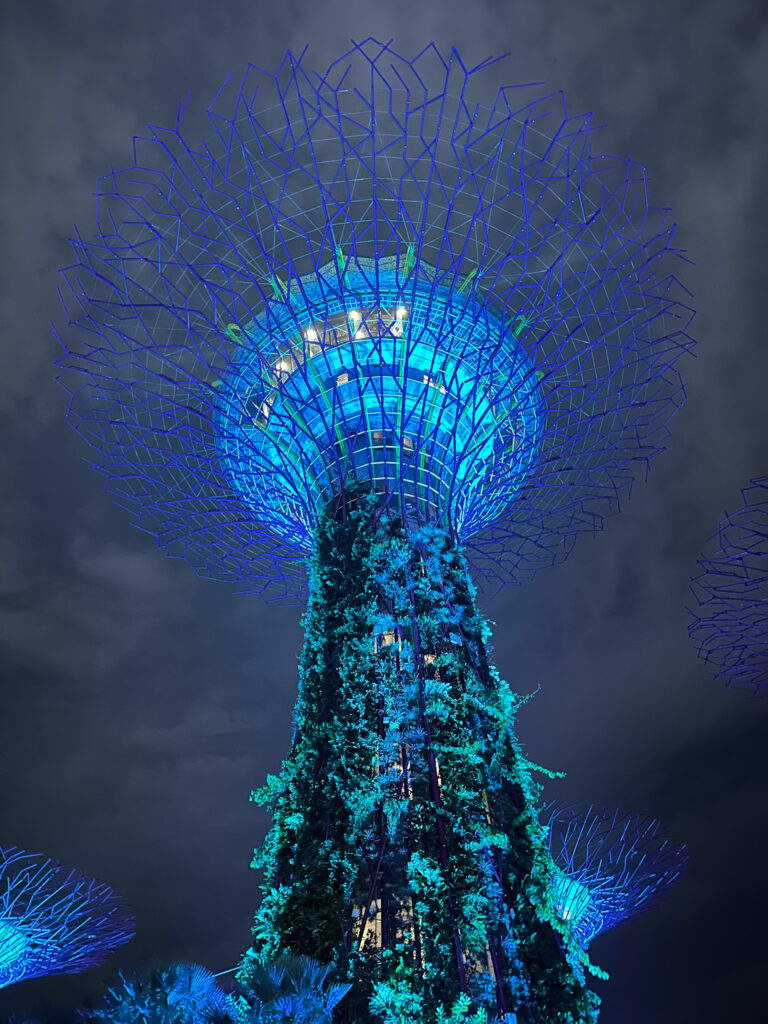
[609, 865]
[360, 275]
[363, 333]
[730, 622]
[54, 920]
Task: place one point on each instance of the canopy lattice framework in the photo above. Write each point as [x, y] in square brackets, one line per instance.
[512, 365]
[730, 621]
[54, 920]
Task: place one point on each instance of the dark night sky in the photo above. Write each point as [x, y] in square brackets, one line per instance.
[140, 704]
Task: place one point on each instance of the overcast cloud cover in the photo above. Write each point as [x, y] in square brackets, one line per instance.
[139, 705]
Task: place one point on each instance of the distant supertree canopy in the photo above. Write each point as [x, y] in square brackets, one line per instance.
[611, 865]
[54, 920]
[366, 275]
[730, 620]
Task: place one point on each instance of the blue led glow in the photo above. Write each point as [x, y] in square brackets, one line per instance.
[609, 865]
[730, 622]
[574, 903]
[536, 283]
[376, 386]
[54, 920]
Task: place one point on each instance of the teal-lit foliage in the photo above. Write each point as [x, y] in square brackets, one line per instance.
[291, 990]
[405, 849]
[729, 622]
[178, 994]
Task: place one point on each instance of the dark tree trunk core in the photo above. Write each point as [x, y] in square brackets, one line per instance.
[405, 847]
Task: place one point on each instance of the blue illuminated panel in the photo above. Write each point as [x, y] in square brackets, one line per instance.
[730, 621]
[372, 386]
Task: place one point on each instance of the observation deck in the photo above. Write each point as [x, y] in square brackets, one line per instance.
[350, 375]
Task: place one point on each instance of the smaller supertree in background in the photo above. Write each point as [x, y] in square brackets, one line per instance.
[730, 622]
[611, 865]
[53, 919]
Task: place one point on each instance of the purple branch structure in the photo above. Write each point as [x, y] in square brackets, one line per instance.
[54, 920]
[610, 865]
[730, 621]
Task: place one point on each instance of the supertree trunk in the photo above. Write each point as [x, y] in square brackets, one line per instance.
[405, 848]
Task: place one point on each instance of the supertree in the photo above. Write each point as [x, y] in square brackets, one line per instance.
[610, 866]
[730, 622]
[368, 333]
[53, 919]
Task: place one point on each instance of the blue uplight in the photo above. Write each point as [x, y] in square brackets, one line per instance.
[730, 622]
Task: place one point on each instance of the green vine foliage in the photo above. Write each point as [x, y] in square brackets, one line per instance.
[291, 990]
[405, 851]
